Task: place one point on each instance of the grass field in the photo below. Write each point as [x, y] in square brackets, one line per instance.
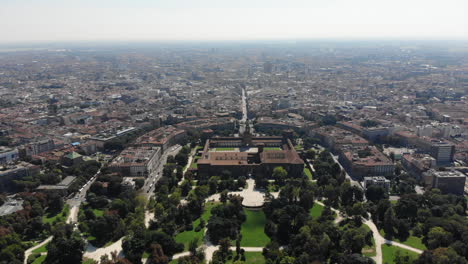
[88, 261]
[316, 211]
[187, 236]
[412, 241]
[271, 148]
[98, 212]
[252, 230]
[60, 217]
[224, 149]
[40, 259]
[251, 258]
[389, 253]
[41, 249]
[308, 173]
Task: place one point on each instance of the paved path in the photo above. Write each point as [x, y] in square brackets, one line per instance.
[73, 217]
[148, 217]
[252, 197]
[379, 241]
[96, 253]
[338, 218]
[29, 251]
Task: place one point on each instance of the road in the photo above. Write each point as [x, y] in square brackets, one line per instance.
[353, 181]
[243, 121]
[150, 182]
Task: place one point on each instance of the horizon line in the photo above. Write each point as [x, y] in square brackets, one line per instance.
[246, 40]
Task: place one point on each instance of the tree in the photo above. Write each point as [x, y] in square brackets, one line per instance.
[67, 246]
[389, 222]
[441, 256]
[438, 237]
[223, 197]
[376, 193]
[186, 187]
[193, 245]
[157, 255]
[310, 154]
[55, 203]
[181, 159]
[280, 175]
[353, 240]
[402, 259]
[134, 245]
[241, 182]
[356, 211]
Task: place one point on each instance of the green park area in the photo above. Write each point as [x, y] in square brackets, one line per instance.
[50, 218]
[194, 164]
[98, 212]
[224, 149]
[316, 210]
[253, 229]
[308, 173]
[187, 236]
[39, 259]
[412, 241]
[41, 249]
[390, 252]
[88, 261]
[251, 258]
[272, 148]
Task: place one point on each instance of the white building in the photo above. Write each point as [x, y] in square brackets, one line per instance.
[8, 155]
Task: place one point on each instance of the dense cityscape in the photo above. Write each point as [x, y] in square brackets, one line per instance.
[280, 153]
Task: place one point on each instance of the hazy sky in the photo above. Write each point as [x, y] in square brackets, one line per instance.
[70, 20]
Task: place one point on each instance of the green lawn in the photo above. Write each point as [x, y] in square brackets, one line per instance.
[389, 253]
[40, 259]
[98, 212]
[194, 165]
[88, 261]
[187, 236]
[271, 148]
[224, 149]
[308, 173]
[412, 241]
[316, 211]
[252, 230]
[61, 216]
[251, 258]
[369, 251]
[41, 249]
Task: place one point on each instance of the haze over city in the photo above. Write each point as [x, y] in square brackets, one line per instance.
[143, 20]
[233, 132]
